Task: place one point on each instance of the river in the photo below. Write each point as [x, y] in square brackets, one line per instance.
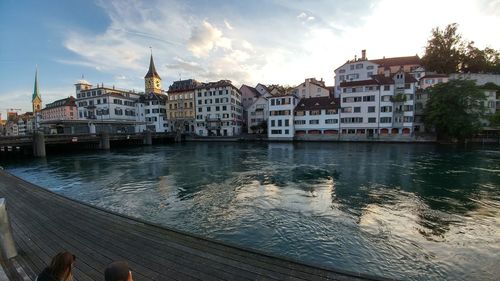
[405, 211]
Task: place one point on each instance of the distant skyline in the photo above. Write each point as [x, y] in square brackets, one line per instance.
[274, 41]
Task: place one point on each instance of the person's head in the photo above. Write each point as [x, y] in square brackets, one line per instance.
[62, 264]
[118, 271]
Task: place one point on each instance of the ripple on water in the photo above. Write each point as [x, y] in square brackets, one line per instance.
[399, 211]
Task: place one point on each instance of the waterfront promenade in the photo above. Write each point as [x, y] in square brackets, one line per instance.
[45, 223]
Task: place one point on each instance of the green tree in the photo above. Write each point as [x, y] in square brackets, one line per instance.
[495, 119]
[455, 109]
[444, 50]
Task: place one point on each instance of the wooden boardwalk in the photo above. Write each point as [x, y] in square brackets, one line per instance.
[45, 223]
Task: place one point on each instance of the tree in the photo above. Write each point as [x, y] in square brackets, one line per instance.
[495, 119]
[455, 109]
[444, 50]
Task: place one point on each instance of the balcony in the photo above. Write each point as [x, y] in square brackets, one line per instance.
[398, 98]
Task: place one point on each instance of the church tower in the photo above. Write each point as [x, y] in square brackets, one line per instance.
[152, 80]
[36, 99]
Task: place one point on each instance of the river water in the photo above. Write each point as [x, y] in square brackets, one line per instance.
[411, 212]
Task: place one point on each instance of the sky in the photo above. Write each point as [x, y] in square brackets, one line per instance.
[247, 42]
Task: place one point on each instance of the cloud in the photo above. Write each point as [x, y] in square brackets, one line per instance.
[228, 25]
[206, 37]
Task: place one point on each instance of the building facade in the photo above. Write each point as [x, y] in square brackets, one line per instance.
[219, 111]
[281, 116]
[381, 105]
[182, 105]
[317, 116]
[311, 88]
[258, 113]
[63, 109]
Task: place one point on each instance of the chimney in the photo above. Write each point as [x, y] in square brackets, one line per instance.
[363, 54]
[355, 57]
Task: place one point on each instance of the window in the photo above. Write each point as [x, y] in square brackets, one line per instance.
[275, 132]
[369, 98]
[408, 108]
[408, 119]
[314, 122]
[272, 102]
[357, 109]
[331, 111]
[369, 67]
[352, 67]
[341, 77]
[387, 87]
[386, 109]
[331, 121]
[287, 132]
[280, 123]
[299, 113]
[273, 124]
[300, 122]
[372, 120]
[209, 108]
[407, 86]
[386, 98]
[371, 109]
[346, 110]
[341, 70]
[287, 122]
[359, 66]
[385, 120]
[315, 112]
[352, 120]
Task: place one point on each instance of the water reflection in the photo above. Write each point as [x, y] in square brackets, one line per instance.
[402, 211]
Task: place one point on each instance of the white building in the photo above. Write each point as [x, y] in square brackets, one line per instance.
[152, 110]
[218, 109]
[360, 69]
[311, 88]
[281, 115]
[317, 116]
[258, 113]
[105, 103]
[378, 106]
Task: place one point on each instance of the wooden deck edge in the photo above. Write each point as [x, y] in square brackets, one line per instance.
[343, 272]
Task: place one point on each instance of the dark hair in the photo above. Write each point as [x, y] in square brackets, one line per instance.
[61, 265]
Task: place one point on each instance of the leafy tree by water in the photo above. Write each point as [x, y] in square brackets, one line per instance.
[446, 52]
[455, 109]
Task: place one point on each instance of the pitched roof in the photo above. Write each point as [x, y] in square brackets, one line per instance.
[152, 70]
[435, 76]
[36, 92]
[397, 61]
[69, 101]
[318, 103]
[360, 83]
[252, 89]
[153, 96]
[183, 85]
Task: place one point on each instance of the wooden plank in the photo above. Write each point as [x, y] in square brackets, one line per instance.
[44, 223]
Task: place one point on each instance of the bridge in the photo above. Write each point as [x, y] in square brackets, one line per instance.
[39, 141]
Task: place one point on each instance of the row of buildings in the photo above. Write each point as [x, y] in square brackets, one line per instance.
[382, 97]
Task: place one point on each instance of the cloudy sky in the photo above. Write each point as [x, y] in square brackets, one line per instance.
[272, 41]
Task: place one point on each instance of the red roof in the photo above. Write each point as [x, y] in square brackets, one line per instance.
[318, 103]
[397, 61]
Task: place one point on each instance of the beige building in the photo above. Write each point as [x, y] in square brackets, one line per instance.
[181, 105]
[311, 88]
[63, 109]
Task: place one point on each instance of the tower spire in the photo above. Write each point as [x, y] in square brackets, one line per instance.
[36, 99]
[152, 70]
